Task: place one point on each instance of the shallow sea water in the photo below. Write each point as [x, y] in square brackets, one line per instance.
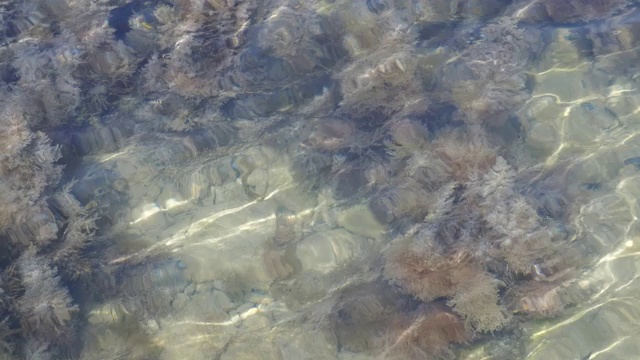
[263, 172]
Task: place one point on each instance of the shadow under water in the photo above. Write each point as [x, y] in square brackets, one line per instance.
[314, 179]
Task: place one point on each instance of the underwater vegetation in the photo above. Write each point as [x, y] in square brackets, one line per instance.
[481, 234]
[418, 224]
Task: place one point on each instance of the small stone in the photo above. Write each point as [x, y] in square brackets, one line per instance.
[190, 289]
[360, 220]
[221, 300]
[120, 185]
[259, 298]
[257, 183]
[324, 251]
[218, 284]
[542, 136]
[256, 322]
[245, 307]
[181, 265]
[152, 326]
[180, 301]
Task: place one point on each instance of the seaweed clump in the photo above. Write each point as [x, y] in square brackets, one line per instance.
[45, 307]
[488, 79]
[428, 332]
[27, 168]
[481, 234]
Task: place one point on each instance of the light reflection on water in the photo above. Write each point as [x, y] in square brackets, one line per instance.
[348, 179]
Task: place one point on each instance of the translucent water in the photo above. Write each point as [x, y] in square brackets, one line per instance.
[282, 179]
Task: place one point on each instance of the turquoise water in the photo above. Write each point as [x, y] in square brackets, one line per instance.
[280, 179]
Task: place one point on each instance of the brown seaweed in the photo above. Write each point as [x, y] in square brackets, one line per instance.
[45, 308]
